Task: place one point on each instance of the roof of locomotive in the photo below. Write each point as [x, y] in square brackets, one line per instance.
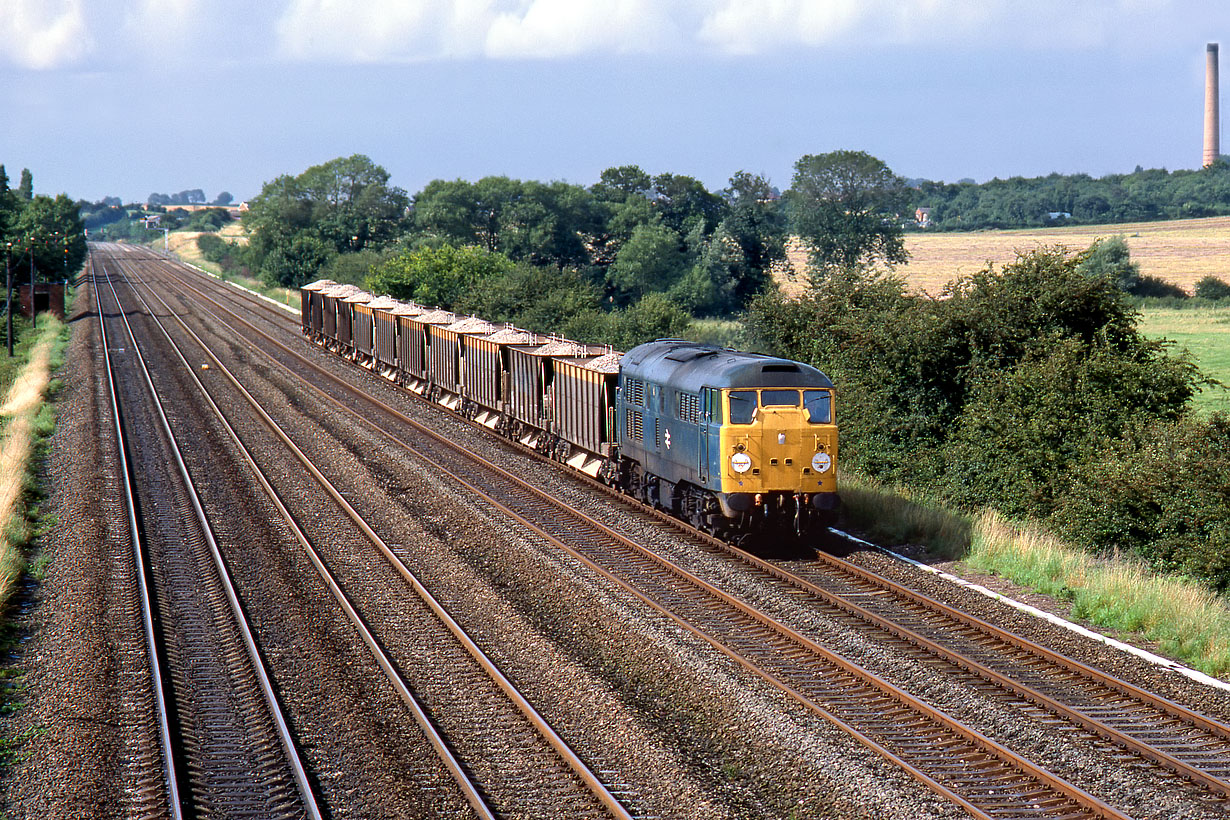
[690, 366]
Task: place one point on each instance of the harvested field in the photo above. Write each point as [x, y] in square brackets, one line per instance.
[1182, 251]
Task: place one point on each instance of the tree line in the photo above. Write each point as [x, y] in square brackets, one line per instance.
[630, 246]
[40, 233]
[1018, 202]
[1029, 389]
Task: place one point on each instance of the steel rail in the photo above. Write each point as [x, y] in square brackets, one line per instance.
[147, 618]
[275, 713]
[1099, 726]
[1091, 803]
[570, 758]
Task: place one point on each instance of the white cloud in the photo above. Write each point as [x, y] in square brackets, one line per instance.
[758, 26]
[43, 34]
[549, 28]
[411, 30]
[384, 30]
[407, 30]
[161, 29]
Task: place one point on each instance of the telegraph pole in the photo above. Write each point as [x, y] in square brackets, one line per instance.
[8, 305]
[33, 305]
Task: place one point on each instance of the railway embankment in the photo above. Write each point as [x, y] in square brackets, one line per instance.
[27, 419]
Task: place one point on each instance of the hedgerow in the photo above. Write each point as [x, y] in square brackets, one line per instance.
[1027, 389]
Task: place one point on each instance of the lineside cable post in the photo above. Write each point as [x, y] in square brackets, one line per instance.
[8, 304]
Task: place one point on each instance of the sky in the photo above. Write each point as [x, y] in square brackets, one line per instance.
[106, 98]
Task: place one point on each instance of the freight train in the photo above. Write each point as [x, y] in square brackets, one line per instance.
[732, 442]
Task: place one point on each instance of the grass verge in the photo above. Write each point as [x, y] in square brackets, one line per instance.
[27, 422]
[1185, 619]
[893, 516]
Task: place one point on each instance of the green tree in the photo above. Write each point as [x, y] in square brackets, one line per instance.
[8, 206]
[653, 317]
[1111, 258]
[25, 190]
[296, 263]
[748, 189]
[346, 204]
[542, 299]
[352, 204]
[847, 206]
[438, 276]
[1213, 289]
[683, 202]
[652, 260]
[618, 184]
[52, 230]
[1158, 491]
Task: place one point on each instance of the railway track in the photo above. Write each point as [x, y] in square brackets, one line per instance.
[550, 777]
[224, 748]
[787, 658]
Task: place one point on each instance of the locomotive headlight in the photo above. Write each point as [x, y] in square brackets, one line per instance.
[741, 462]
[820, 462]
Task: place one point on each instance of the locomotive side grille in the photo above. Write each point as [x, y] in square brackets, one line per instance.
[636, 392]
[635, 422]
[657, 433]
[689, 408]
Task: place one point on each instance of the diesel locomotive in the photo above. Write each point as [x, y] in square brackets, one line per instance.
[726, 440]
[731, 442]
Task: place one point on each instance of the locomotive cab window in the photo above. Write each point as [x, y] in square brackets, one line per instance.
[819, 405]
[742, 406]
[779, 398]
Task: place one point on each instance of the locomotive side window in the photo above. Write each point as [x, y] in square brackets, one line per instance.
[742, 406]
[819, 406]
[779, 398]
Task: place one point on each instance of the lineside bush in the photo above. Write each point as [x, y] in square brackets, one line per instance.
[1026, 389]
[1213, 289]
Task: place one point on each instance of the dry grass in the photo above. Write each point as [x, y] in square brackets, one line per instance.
[1187, 620]
[1181, 251]
[21, 415]
[183, 243]
[896, 516]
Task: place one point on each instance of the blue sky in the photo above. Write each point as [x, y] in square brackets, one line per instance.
[127, 98]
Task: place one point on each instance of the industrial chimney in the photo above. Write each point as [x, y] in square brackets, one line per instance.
[1212, 120]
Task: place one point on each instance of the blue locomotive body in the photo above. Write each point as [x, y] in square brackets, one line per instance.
[724, 439]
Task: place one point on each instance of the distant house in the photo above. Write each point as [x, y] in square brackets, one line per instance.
[1053, 215]
[923, 217]
[152, 220]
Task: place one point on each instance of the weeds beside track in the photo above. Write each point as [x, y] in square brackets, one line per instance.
[27, 420]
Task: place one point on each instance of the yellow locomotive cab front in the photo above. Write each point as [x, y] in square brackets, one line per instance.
[779, 440]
